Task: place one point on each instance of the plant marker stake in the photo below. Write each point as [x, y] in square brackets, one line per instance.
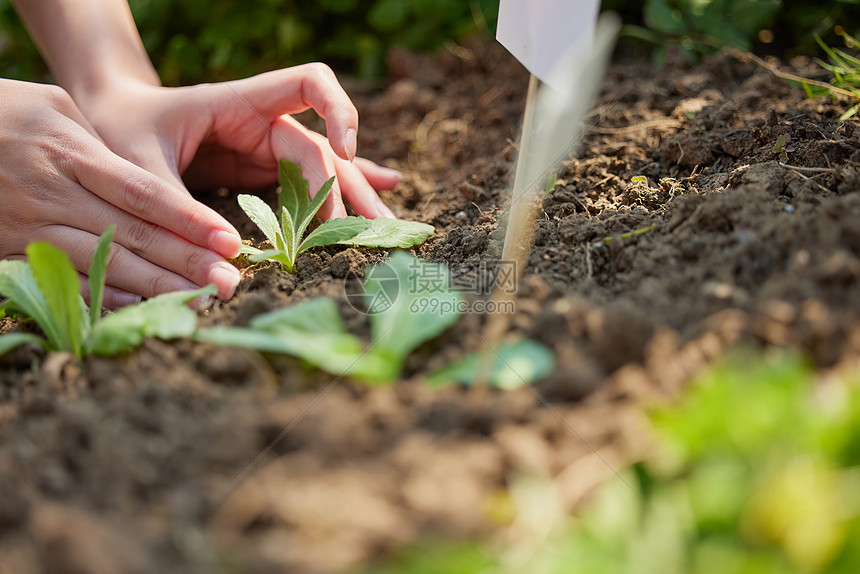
[552, 114]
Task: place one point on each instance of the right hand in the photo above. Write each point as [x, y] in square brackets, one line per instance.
[59, 183]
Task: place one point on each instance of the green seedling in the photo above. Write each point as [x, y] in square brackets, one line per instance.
[421, 309]
[627, 235]
[782, 147]
[550, 183]
[516, 364]
[297, 211]
[639, 179]
[755, 470]
[845, 69]
[46, 289]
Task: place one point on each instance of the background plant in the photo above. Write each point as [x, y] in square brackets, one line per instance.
[756, 471]
[191, 41]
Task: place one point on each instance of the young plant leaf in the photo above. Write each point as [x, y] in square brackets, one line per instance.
[166, 316]
[19, 285]
[97, 272]
[297, 210]
[58, 281]
[312, 331]
[11, 340]
[422, 308]
[387, 232]
[334, 231]
[261, 214]
[294, 188]
[517, 364]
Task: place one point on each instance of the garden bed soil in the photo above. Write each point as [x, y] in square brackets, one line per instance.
[186, 458]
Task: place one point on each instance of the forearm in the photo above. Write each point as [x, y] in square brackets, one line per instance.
[90, 45]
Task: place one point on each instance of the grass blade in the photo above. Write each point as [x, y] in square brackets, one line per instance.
[59, 283]
[98, 270]
[19, 285]
[11, 340]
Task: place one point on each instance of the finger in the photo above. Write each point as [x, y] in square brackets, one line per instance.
[112, 298]
[377, 176]
[316, 161]
[163, 248]
[293, 90]
[356, 189]
[142, 194]
[126, 271]
[359, 193]
[159, 246]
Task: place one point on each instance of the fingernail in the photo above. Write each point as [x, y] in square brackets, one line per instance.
[123, 299]
[383, 209]
[395, 172]
[226, 278]
[350, 144]
[225, 243]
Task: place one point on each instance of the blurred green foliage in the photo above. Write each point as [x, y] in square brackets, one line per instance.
[208, 40]
[780, 27]
[757, 472]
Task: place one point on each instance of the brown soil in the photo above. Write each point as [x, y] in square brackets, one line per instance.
[184, 458]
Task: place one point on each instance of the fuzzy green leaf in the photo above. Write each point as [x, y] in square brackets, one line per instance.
[312, 331]
[387, 232]
[288, 228]
[334, 231]
[249, 250]
[514, 365]
[11, 340]
[98, 271]
[294, 188]
[166, 317]
[58, 281]
[421, 307]
[19, 285]
[302, 220]
[261, 214]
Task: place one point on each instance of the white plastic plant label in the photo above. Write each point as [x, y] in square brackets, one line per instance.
[539, 32]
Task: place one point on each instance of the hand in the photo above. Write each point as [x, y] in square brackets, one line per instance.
[61, 184]
[233, 133]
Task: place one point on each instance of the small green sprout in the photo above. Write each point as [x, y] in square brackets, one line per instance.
[550, 183]
[639, 179]
[297, 211]
[46, 288]
[782, 148]
[627, 235]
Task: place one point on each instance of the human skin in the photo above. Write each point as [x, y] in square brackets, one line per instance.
[121, 120]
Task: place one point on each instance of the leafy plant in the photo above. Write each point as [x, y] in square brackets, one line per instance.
[297, 210]
[754, 471]
[314, 331]
[47, 289]
[845, 69]
[515, 364]
[782, 147]
[702, 26]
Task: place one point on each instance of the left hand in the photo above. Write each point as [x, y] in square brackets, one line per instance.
[233, 134]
